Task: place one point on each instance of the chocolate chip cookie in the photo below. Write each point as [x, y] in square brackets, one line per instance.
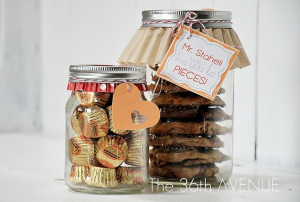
[177, 171]
[184, 100]
[187, 112]
[167, 87]
[186, 156]
[184, 140]
[192, 128]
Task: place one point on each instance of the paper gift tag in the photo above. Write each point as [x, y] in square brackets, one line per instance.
[129, 112]
[197, 62]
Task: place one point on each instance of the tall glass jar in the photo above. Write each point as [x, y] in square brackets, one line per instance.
[99, 157]
[192, 142]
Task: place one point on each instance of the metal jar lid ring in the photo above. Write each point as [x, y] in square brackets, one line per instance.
[168, 18]
[107, 73]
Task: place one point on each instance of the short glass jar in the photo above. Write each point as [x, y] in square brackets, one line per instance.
[99, 157]
[192, 142]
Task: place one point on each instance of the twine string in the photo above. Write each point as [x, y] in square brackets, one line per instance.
[188, 21]
[189, 18]
[125, 81]
[159, 80]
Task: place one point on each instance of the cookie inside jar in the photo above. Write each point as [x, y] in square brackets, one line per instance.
[192, 140]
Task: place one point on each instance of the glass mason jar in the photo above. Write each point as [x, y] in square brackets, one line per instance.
[99, 157]
[192, 142]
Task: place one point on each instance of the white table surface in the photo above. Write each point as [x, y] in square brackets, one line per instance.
[32, 168]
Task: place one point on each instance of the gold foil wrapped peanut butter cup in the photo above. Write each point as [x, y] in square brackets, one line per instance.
[91, 122]
[85, 98]
[97, 123]
[95, 161]
[111, 126]
[130, 175]
[101, 177]
[136, 150]
[77, 120]
[111, 151]
[78, 173]
[81, 150]
[101, 98]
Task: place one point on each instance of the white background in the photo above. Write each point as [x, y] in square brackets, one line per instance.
[41, 38]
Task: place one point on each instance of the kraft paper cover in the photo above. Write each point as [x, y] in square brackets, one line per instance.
[149, 46]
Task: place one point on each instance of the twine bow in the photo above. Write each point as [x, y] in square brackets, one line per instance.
[190, 18]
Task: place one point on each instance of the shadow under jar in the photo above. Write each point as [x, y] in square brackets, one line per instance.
[192, 142]
[99, 157]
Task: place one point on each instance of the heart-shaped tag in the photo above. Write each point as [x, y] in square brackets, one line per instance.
[129, 112]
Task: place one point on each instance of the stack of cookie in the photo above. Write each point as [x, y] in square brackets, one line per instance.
[101, 155]
[186, 142]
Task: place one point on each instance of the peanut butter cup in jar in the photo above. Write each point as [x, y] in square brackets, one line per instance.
[99, 157]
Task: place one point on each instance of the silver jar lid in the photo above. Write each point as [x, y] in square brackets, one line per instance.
[107, 73]
[168, 18]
